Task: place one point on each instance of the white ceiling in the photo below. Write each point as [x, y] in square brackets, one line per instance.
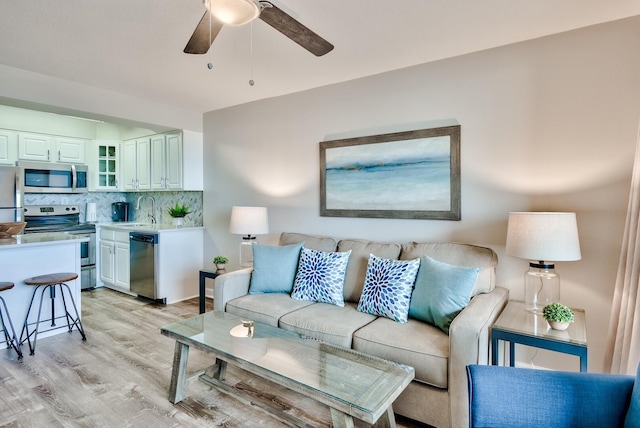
[135, 46]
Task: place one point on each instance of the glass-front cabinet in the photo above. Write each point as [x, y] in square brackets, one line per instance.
[108, 168]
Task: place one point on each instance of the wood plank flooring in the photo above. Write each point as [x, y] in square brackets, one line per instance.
[120, 377]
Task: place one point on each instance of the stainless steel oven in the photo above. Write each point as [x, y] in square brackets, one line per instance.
[87, 258]
[65, 218]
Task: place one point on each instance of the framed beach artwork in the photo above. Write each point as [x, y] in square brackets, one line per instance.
[412, 174]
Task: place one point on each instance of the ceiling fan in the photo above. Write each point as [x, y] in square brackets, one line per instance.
[240, 12]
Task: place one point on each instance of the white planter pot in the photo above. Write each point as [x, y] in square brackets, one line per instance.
[558, 325]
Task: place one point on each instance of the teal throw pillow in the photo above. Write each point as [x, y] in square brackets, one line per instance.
[388, 286]
[441, 292]
[320, 276]
[274, 268]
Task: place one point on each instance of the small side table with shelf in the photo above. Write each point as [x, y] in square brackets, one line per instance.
[212, 274]
[516, 325]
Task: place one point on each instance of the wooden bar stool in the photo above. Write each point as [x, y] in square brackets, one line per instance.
[10, 339]
[49, 282]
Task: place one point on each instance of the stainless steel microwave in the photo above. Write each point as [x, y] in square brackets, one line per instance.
[43, 177]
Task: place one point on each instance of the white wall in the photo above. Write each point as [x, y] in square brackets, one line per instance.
[45, 122]
[31, 90]
[548, 124]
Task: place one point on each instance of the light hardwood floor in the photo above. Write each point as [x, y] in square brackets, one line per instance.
[120, 377]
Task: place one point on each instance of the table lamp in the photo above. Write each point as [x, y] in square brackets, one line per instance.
[248, 221]
[542, 237]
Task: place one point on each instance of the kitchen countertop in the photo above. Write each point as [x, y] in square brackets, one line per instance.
[146, 227]
[36, 239]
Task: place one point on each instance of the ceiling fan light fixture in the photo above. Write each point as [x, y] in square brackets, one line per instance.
[233, 12]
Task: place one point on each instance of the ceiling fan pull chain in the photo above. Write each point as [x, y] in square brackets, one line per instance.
[251, 82]
[208, 6]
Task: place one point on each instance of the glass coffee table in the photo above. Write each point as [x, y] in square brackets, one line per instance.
[352, 384]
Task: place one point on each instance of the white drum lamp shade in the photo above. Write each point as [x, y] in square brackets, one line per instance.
[248, 221]
[542, 238]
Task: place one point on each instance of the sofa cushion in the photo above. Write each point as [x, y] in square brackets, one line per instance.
[274, 268]
[415, 343]
[388, 286]
[266, 308]
[315, 242]
[329, 323]
[320, 276]
[442, 291]
[357, 267]
[459, 255]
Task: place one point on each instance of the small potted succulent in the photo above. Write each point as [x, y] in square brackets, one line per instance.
[558, 316]
[220, 262]
[178, 213]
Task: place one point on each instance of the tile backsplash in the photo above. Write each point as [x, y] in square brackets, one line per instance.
[103, 201]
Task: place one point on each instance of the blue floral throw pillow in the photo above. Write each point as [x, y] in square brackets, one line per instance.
[388, 286]
[320, 276]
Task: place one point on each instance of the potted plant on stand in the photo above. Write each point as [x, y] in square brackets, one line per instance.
[558, 316]
[178, 213]
[220, 262]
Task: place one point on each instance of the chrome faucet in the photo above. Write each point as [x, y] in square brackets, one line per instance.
[152, 216]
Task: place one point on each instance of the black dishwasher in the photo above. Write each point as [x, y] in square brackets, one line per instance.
[143, 269]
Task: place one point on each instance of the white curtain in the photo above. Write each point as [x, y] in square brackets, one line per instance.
[623, 347]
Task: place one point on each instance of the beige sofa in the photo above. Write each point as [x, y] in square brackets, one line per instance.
[438, 396]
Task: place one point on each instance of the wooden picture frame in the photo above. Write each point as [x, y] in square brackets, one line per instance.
[402, 175]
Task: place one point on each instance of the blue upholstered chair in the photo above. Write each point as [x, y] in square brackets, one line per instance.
[514, 397]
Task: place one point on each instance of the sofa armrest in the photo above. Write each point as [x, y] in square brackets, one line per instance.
[230, 286]
[518, 397]
[469, 343]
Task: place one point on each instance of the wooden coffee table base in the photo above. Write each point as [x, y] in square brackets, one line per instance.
[215, 376]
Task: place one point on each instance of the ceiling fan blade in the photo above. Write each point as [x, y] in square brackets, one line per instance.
[294, 30]
[204, 35]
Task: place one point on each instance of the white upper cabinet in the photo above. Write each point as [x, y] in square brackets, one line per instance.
[166, 161]
[70, 150]
[34, 147]
[173, 150]
[107, 165]
[157, 161]
[8, 147]
[153, 163]
[137, 164]
[46, 148]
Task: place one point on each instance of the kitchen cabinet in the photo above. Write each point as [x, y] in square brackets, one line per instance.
[107, 260]
[69, 150]
[46, 148]
[178, 259]
[108, 165]
[121, 268]
[137, 164]
[8, 147]
[34, 147]
[166, 161]
[114, 258]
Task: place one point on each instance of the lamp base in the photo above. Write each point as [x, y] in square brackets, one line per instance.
[246, 250]
[541, 286]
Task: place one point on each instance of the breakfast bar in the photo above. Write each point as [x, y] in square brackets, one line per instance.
[25, 256]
